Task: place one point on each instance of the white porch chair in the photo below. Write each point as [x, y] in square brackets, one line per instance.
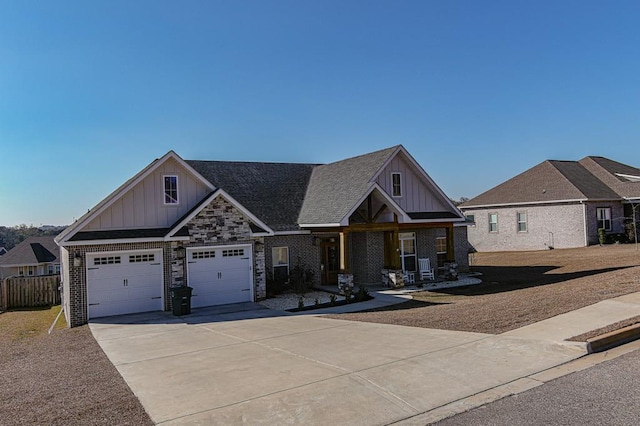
[425, 269]
[409, 277]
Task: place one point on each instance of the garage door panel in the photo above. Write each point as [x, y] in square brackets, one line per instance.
[124, 283]
[220, 275]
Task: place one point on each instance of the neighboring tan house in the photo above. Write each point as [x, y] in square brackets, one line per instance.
[224, 227]
[34, 256]
[556, 204]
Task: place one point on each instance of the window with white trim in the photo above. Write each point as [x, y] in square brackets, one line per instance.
[604, 218]
[170, 189]
[493, 222]
[280, 261]
[396, 184]
[441, 250]
[408, 251]
[21, 271]
[521, 218]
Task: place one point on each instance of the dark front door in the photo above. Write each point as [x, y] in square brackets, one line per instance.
[330, 263]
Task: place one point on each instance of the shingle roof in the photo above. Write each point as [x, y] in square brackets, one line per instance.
[613, 167]
[335, 188]
[285, 194]
[32, 251]
[589, 185]
[607, 170]
[274, 192]
[554, 180]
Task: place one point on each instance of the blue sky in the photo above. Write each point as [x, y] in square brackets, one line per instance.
[477, 91]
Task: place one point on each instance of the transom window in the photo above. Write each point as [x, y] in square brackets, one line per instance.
[138, 258]
[522, 221]
[493, 222]
[171, 189]
[232, 252]
[107, 260]
[396, 183]
[604, 218]
[280, 259]
[205, 254]
[408, 251]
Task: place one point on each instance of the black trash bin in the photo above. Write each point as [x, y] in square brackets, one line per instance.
[181, 300]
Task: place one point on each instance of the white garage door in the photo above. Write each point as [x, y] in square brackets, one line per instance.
[220, 275]
[124, 282]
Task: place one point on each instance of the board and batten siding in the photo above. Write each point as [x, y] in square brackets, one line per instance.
[143, 205]
[417, 195]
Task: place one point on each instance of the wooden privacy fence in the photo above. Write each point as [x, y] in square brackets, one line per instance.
[23, 292]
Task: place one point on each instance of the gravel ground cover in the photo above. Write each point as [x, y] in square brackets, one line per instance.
[59, 379]
[519, 288]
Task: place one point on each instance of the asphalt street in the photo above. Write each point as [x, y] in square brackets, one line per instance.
[605, 394]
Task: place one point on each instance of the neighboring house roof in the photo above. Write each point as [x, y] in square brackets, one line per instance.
[274, 192]
[2, 251]
[592, 178]
[335, 188]
[32, 251]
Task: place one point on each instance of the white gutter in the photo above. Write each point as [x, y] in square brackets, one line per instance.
[292, 233]
[577, 200]
[319, 225]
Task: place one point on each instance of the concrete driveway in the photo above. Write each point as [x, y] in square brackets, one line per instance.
[247, 364]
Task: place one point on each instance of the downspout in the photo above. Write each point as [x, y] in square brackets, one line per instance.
[584, 219]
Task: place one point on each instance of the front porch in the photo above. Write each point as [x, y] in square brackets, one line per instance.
[464, 279]
[361, 254]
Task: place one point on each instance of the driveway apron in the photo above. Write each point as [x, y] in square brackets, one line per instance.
[248, 364]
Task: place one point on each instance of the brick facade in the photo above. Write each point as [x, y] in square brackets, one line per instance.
[302, 248]
[617, 219]
[551, 225]
[367, 256]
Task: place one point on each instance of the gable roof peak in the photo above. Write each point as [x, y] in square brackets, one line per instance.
[123, 189]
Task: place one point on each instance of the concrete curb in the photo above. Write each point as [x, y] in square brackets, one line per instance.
[613, 338]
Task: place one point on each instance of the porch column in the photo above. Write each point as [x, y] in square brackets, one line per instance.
[451, 255]
[345, 262]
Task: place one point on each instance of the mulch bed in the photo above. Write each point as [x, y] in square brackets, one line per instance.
[519, 289]
[62, 379]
